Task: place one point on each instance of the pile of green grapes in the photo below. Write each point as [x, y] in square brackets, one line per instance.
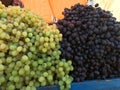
[29, 52]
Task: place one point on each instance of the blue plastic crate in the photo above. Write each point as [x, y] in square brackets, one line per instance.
[55, 87]
[112, 84]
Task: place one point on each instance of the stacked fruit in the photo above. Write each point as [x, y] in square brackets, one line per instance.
[91, 40]
[29, 52]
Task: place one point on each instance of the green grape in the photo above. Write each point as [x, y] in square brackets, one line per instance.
[27, 40]
[24, 58]
[60, 83]
[14, 53]
[27, 68]
[33, 49]
[2, 67]
[18, 34]
[21, 43]
[60, 36]
[19, 49]
[18, 63]
[3, 46]
[1, 10]
[4, 15]
[22, 25]
[4, 27]
[24, 33]
[29, 54]
[60, 69]
[28, 88]
[61, 64]
[21, 72]
[30, 34]
[16, 79]
[23, 88]
[46, 45]
[14, 73]
[47, 33]
[29, 30]
[33, 88]
[29, 51]
[41, 79]
[14, 31]
[52, 68]
[64, 78]
[68, 86]
[43, 55]
[49, 59]
[61, 74]
[12, 47]
[52, 45]
[51, 36]
[0, 61]
[32, 40]
[71, 68]
[2, 79]
[43, 84]
[51, 39]
[36, 43]
[10, 26]
[55, 53]
[40, 61]
[18, 85]
[57, 56]
[37, 84]
[2, 54]
[46, 39]
[27, 79]
[44, 65]
[7, 36]
[37, 37]
[32, 73]
[31, 83]
[41, 40]
[45, 74]
[62, 87]
[49, 64]
[11, 78]
[44, 50]
[39, 68]
[65, 65]
[35, 64]
[15, 23]
[11, 87]
[50, 78]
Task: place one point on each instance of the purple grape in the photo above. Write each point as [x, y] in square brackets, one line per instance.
[91, 41]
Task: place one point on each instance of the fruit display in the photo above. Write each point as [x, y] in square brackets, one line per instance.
[91, 39]
[29, 52]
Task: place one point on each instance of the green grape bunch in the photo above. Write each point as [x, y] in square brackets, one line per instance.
[29, 52]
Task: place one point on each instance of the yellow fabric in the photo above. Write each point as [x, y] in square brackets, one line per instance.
[110, 5]
[43, 9]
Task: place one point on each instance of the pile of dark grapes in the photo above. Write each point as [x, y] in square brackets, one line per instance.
[91, 40]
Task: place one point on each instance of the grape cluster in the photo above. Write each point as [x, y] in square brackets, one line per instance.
[91, 40]
[29, 52]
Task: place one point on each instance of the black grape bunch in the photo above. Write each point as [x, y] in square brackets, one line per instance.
[91, 40]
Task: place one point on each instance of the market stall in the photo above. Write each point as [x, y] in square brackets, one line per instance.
[79, 50]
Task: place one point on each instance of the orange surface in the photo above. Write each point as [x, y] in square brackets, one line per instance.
[48, 8]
